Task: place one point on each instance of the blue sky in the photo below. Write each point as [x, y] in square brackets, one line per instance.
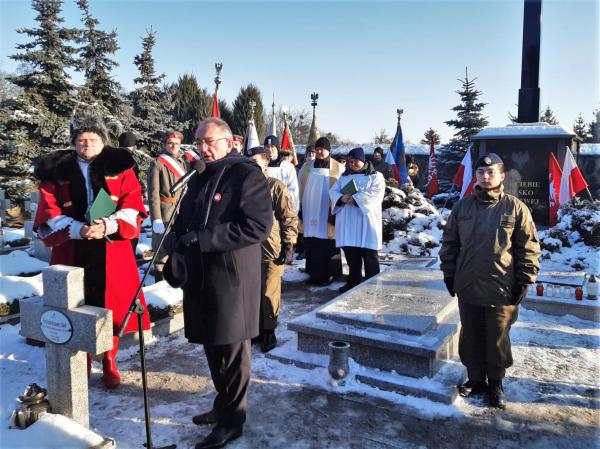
[364, 58]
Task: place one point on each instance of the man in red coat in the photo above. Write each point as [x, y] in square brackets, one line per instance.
[69, 183]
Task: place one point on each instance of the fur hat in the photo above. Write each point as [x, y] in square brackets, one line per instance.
[272, 140]
[323, 142]
[86, 120]
[378, 150]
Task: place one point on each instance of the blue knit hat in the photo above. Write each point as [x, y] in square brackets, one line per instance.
[358, 154]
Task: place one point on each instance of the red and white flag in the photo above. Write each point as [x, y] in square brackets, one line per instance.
[287, 143]
[432, 176]
[191, 155]
[216, 112]
[389, 158]
[555, 174]
[572, 181]
[464, 175]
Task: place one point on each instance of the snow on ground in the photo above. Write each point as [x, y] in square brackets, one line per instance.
[556, 364]
[18, 263]
[11, 234]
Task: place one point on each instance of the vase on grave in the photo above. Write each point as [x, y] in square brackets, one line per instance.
[338, 359]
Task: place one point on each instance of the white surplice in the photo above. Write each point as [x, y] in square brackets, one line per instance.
[360, 225]
[315, 203]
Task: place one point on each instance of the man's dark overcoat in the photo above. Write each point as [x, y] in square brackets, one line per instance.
[221, 297]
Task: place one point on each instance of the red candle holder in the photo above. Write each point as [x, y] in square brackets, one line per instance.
[579, 294]
[539, 289]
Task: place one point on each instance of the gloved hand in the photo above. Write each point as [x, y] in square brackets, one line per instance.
[288, 253]
[170, 242]
[449, 285]
[286, 256]
[188, 239]
[518, 293]
[158, 227]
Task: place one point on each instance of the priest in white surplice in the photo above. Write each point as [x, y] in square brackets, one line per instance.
[323, 260]
[356, 198]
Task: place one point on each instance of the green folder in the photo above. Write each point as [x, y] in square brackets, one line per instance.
[350, 188]
[102, 207]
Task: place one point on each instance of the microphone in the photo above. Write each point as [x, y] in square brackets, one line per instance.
[197, 167]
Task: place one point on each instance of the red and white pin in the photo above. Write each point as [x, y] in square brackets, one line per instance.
[217, 197]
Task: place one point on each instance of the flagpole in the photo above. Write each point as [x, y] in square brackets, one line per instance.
[448, 197]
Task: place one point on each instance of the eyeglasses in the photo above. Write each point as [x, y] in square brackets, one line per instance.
[208, 142]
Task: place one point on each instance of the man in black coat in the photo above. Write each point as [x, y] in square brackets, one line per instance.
[216, 259]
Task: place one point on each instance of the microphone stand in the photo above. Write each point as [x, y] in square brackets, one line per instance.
[138, 308]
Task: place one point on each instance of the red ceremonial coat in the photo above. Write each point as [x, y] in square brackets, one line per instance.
[111, 274]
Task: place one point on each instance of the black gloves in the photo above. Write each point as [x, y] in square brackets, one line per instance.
[449, 285]
[286, 256]
[188, 239]
[170, 242]
[518, 293]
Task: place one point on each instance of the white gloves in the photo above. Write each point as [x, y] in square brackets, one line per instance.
[158, 227]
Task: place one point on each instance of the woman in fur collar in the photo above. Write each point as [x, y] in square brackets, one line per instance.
[69, 182]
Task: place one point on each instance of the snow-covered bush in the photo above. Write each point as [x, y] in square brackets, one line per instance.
[411, 224]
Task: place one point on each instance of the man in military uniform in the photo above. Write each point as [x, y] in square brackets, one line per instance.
[164, 171]
[489, 256]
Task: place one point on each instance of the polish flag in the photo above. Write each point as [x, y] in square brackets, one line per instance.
[432, 177]
[572, 181]
[389, 158]
[555, 174]
[464, 175]
[215, 105]
[287, 143]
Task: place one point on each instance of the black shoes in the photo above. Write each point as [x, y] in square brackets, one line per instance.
[472, 388]
[219, 437]
[269, 341]
[206, 418]
[320, 282]
[495, 395]
[344, 288]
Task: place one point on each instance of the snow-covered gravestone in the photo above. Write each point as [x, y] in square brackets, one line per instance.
[70, 329]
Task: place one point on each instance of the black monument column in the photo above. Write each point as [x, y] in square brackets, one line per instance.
[529, 93]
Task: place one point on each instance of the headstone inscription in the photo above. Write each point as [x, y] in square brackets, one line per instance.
[70, 329]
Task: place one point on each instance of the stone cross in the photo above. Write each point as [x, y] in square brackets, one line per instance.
[70, 329]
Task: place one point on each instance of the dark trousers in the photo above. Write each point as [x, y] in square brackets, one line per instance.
[484, 341]
[323, 259]
[230, 371]
[356, 257]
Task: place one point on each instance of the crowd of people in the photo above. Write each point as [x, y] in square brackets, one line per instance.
[238, 224]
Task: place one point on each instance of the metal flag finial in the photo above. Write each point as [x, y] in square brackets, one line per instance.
[314, 97]
[218, 68]
[252, 107]
[399, 112]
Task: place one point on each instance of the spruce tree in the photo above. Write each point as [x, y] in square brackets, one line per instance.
[429, 136]
[35, 121]
[190, 104]
[469, 121]
[149, 100]
[96, 64]
[594, 128]
[581, 128]
[241, 111]
[548, 117]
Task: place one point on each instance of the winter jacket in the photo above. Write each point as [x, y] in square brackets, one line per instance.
[229, 207]
[285, 221]
[111, 275]
[384, 168]
[490, 247]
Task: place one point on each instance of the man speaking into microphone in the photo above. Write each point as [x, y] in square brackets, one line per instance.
[215, 257]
